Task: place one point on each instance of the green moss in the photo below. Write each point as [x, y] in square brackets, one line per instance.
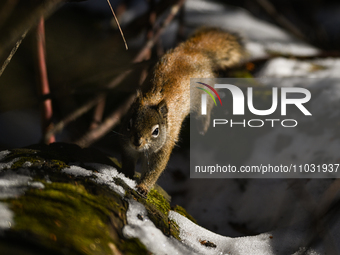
[159, 201]
[57, 164]
[66, 216]
[74, 214]
[183, 212]
[36, 158]
[18, 164]
[174, 230]
[133, 246]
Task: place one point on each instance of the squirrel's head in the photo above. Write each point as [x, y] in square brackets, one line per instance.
[145, 126]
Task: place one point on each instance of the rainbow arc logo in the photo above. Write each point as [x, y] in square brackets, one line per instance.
[209, 93]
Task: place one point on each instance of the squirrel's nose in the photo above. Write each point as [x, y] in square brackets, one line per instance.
[137, 141]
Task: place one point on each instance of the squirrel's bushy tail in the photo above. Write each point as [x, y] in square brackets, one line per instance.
[223, 48]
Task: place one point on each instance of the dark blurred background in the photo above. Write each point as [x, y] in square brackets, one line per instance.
[85, 55]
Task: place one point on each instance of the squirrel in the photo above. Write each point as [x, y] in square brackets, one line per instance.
[152, 125]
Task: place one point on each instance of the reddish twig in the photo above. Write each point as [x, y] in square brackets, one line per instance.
[47, 110]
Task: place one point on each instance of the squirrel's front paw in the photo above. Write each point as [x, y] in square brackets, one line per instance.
[142, 190]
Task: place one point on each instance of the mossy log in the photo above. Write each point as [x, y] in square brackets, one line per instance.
[46, 210]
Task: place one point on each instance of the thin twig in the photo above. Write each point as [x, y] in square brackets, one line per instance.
[150, 43]
[29, 19]
[13, 51]
[71, 117]
[280, 19]
[106, 126]
[58, 127]
[98, 113]
[121, 32]
[149, 36]
[113, 119]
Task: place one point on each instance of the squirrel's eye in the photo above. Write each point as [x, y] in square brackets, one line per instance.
[155, 131]
[129, 125]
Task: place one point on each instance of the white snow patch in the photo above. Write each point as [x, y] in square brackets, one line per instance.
[198, 240]
[192, 235]
[111, 171]
[6, 217]
[319, 68]
[141, 227]
[77, 171]
[8, 165]
[27, 164]
[276, 243]
[105, 176]
[260, 37]
[13, 184]
[3, 154]
[37, 185]
[47, 179]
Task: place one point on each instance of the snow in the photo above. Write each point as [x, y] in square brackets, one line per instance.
[194, 238]
[197, 240]
[319, 68]
[7, 165]
[76, 171]
[276, 242]
[27, 164]
[112, 172]
[260, 37]
[104, 174]
[14, 184]
[6, 217]
[3, 154]
[141, 227]
[271, 243]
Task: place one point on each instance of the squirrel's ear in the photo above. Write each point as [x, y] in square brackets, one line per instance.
[162, 108]
[139, 97]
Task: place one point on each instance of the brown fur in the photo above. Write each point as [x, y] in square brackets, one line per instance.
[198, 57]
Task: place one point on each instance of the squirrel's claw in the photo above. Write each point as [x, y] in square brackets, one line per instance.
[142, 190]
